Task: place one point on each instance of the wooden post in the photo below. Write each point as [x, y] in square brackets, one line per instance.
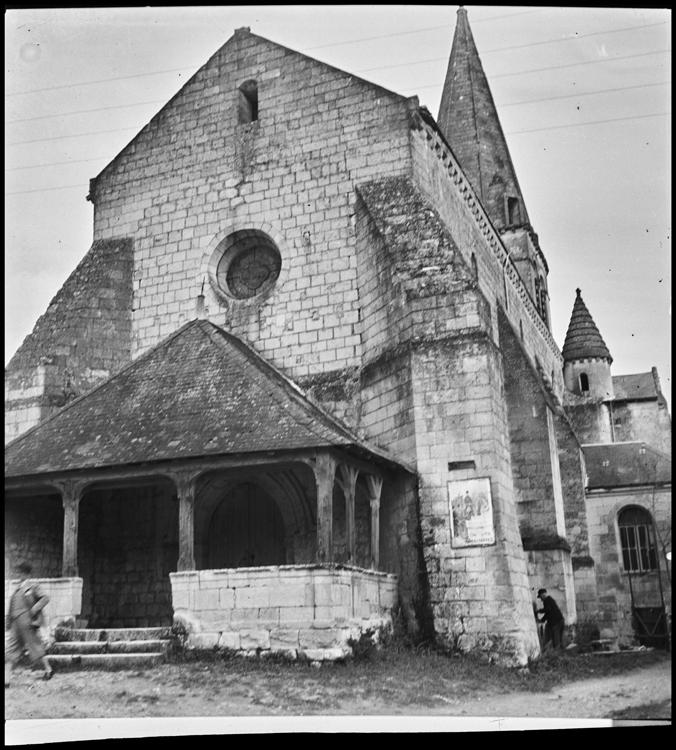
[349, 484]
[375, 485]
[325, 474]
[185, 485]
[71, 494]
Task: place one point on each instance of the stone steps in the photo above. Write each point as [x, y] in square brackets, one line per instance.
[112, 648]
[64, 662]
[109, 647]
[112, 634]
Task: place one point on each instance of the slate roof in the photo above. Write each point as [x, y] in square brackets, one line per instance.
[200, 392]
[624, 465]
[634, 387]
[583, 340]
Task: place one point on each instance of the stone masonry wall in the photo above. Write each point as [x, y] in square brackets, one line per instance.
[298, 610]
[571, 461]
[122, 558]
[34, 534]
[614, 593]
[648, 421]
[552, 569]
[479, 595]
[589, 418]
[194, 175]
[451, 406]
[82, 338]
[529, 439]
[438, 176]
[586, 590]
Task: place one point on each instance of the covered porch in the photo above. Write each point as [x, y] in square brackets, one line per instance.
[262, 532]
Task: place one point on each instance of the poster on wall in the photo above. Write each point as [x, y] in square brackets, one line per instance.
[471, 507]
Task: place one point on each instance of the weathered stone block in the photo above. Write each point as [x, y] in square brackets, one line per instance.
[205, 640]
[252, 596]
[205, 599]
[254, 639]
[282, 638]
[313, 638]
[180, 599]
[325, 654]
[292, 595]
[244, 615]
[229, 640]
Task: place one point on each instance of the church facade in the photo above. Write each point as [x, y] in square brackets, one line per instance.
[305, 379]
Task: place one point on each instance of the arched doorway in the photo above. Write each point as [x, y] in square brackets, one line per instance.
[246, 530]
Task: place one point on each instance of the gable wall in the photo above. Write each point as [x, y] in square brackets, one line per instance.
[642, 420]
[193, 175]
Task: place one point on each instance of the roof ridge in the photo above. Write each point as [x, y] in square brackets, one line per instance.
[103, 383]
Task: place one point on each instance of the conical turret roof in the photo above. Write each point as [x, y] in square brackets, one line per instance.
[583, 340]
[469, 121]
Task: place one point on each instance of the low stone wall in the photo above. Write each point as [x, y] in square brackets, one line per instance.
[65, 601]
[299, 610]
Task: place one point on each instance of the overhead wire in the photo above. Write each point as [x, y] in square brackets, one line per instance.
[516, 132]
[417, 88]
[356, 41]
[576, 94]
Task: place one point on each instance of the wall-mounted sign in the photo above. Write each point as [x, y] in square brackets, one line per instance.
[471, 508]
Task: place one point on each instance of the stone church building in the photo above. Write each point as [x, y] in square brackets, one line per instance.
[304, 381]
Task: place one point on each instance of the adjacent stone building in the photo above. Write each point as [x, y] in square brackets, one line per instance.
[305, 378]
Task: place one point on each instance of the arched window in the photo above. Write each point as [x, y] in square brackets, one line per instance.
[248, 103]
[584, 382]
[637, 539]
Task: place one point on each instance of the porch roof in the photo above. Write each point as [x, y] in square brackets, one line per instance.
[199, 393]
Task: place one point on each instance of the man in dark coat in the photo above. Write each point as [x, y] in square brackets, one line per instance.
[23, 622]
[553, 619]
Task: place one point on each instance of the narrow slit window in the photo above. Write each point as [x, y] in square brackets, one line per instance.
[513, 213]
[248, 103]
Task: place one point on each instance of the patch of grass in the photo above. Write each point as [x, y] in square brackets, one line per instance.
[399, 673]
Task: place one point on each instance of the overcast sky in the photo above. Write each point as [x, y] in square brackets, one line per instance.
[583, 96]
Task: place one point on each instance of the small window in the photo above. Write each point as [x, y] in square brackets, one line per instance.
[513, 213]
[637, 539]
[475, 267]
[584, 383]
[248, 103]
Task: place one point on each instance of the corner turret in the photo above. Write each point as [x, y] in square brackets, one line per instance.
[587, 360]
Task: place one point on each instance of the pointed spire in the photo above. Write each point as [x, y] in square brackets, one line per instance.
[469, 121]
[583, 340]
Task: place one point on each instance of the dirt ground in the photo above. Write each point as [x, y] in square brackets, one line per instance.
[400, 687]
